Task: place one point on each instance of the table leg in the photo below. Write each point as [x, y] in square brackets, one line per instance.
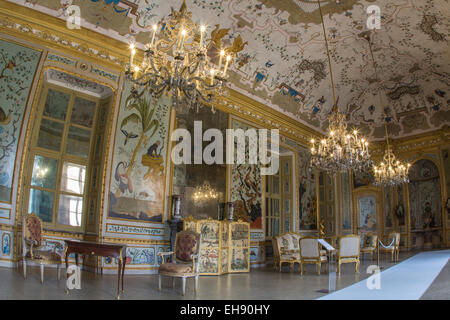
[118, 278]
[123, 271]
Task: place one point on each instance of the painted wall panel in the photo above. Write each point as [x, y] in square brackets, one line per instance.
[17, 70]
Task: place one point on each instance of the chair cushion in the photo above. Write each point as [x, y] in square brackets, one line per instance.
[323, 252]
[175, 268]
[322, 259]
[47, 256]
[186, 246]
[33, 229]
[367, 249]
[348, 259]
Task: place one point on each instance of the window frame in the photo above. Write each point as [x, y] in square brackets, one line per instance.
[61, 156]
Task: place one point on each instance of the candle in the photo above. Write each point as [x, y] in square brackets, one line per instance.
[202, 30]
[133, 52]
[212, 75]
[222, 53]
[136, 72]
[226, 65]
[183, 34]
[153, 35]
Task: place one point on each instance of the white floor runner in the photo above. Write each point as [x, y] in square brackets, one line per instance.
[407, 280]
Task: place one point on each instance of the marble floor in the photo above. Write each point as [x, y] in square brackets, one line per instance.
[260, 283]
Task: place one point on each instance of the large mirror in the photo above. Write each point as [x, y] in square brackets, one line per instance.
[202, 187]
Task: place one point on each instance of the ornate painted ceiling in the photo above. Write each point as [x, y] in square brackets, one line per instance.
[284, 63]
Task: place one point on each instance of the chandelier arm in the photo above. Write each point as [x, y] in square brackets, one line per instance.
[196, 66]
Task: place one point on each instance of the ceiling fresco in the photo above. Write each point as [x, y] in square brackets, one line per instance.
[284, 63]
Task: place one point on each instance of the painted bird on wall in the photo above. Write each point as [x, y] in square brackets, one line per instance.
[4, 119]
[128, 135]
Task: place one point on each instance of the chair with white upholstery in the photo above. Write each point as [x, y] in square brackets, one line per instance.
[286, 249]
[349, 250]
[310, 253]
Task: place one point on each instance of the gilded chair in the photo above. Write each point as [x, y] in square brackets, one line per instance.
[32, 244]
[395, 248]
[369, 244]
[286, 249]
[185, 262]
[310, 252]
[349, 250]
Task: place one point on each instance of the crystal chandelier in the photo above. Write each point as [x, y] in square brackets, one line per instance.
[390, 171]
[177, 64]
[204, 193]
[341, 150]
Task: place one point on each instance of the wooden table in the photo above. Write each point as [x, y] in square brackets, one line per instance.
[98, 249]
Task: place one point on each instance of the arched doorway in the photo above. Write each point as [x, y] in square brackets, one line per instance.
[425, 203]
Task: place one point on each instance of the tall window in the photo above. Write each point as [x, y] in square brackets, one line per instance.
[60, 150]
[326, 203]
[279, 199]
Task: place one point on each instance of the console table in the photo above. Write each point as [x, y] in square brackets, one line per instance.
[98, 249]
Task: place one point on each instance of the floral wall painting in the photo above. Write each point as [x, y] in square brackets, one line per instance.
[6, 244]
[367, 214]
[346, 210]
[446, 167]
[254, 251]
[400, 209]
[141, 255]
[17, 70]
[139, 166]
[387, 207]
[425, 198]
[246, 187]
[306, 191]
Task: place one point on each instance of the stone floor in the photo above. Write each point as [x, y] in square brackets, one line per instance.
[260, 283]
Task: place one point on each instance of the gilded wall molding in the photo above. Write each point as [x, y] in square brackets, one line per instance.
[422, 143]
[52, 32]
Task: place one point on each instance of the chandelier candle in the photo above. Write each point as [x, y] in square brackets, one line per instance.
[222, 53]
[153, 35]
[133, 52]
[226, 66]
[202, 30]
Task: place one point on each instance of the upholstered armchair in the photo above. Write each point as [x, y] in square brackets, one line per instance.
[185, 262]
[395, 248]
[349, 250]
[369, 244]
[310, 253]
[286, 249]
[32, 244]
